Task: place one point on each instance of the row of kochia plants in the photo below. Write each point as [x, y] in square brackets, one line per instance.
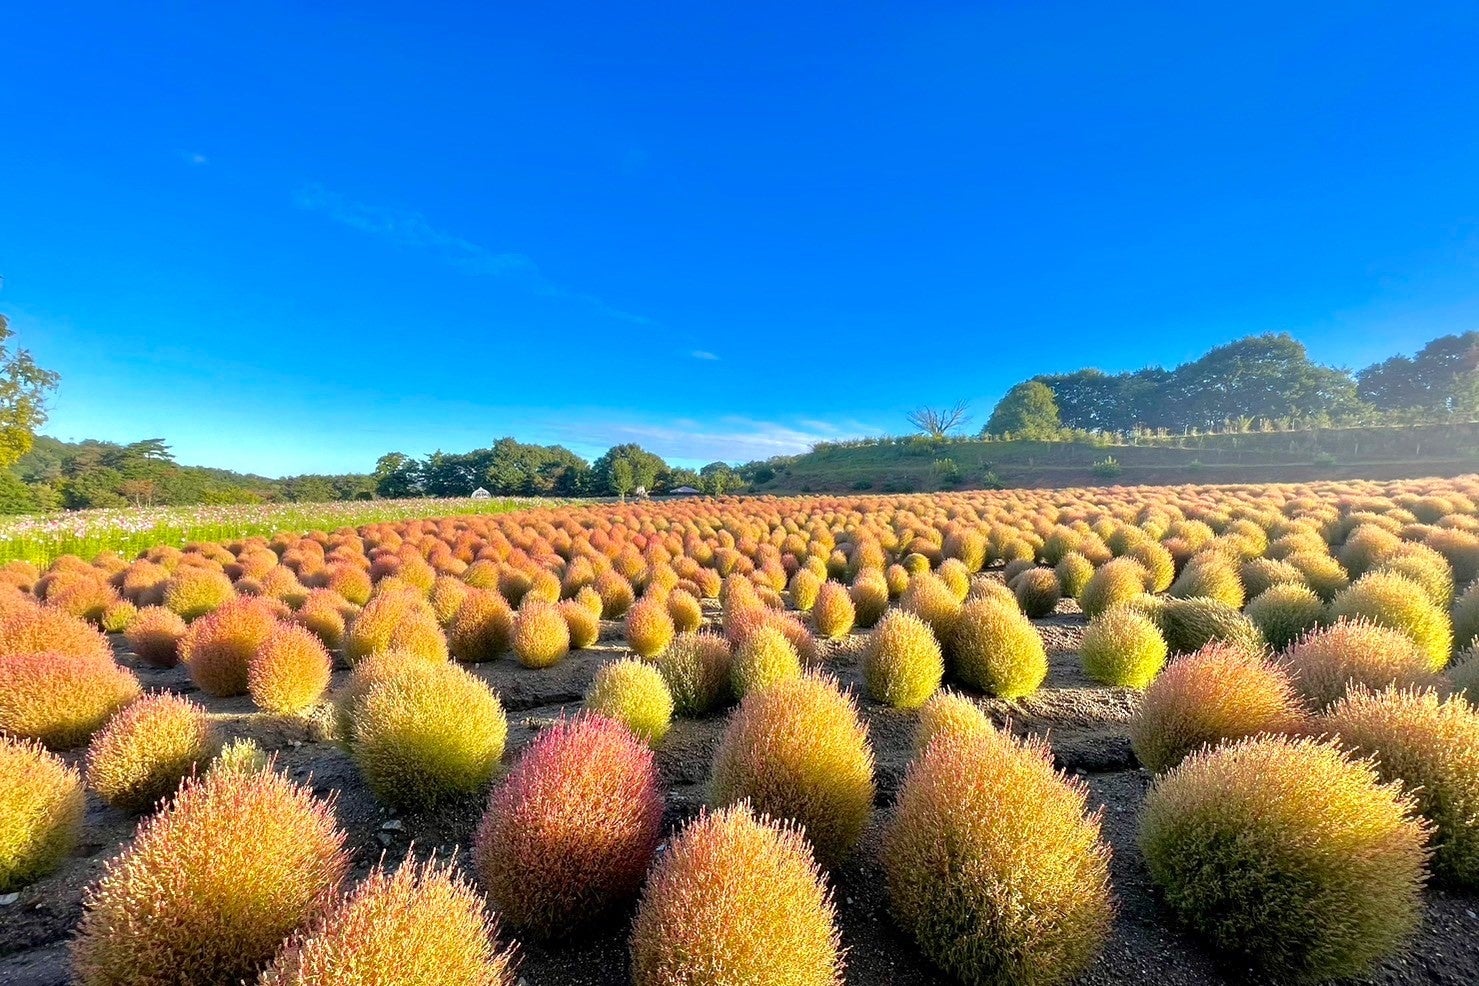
[1299, 653]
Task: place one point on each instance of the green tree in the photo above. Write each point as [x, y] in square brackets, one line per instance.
[623, 478]
[1443, 376]
[24, 389]
[717, 477]
[1269, 376]
[15, 496]
[310, 489]
[679, 476]
[1093, 400]
[1027, 411]
[648, 469]
[397, 476]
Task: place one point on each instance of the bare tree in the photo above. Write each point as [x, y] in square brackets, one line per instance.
[935, 422]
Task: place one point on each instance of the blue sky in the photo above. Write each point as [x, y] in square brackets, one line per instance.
[289, 237]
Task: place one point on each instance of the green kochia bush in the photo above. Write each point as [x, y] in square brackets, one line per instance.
[1431, 746]
[902, 665]
[1395, 601]
[1037, 591]
[1191, 624]
[1287, 855]
[1114, 582]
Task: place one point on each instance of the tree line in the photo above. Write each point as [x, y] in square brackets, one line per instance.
[56, 475]
[513, 468]
[1267, 378]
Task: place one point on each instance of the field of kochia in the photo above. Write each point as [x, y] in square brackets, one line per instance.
[1182, 735]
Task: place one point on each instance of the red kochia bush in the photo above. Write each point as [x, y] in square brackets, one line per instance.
[572, 830]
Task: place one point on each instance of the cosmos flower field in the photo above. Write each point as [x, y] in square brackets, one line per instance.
[1186, 735]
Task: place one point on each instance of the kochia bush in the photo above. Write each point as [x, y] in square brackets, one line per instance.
[482, 628]
[290, 671]
[146, 750]
[426, 735]
[950, 713]
[34, 629]
[1287, 855]
[833, 614]
[633, 693]
[541, 635]
[994, 865]
[192, 901]
[1285, 612]
[218, 647]
[902, 664]
[1395, 601]
[1037, 592]
[1123, 647]
[155, 634]
[736, 899]
[61, 699]
[1431, 746]
[41, 808]
[764, 657]
[1220, 693]
[423, 925]
[696, 669]
[571, 831]
[649, 626]
[797, 749]
[193, 592]
[1329, 662]
[1113, 582]
[995, 648]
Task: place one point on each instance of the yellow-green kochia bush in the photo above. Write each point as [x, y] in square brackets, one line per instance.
[41, 808]
[902, 664]
[994, 865]
[736, 899]
[211, 885]
[798, 750]
[1288, 855]
[1430, 745]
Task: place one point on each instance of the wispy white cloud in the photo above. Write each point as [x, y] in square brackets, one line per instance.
[195, 158]
[412, 230]
[731, 438]
[702, 354]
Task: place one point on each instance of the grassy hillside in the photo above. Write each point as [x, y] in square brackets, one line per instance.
[906, 465]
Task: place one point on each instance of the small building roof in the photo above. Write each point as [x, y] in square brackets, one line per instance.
[685, 491]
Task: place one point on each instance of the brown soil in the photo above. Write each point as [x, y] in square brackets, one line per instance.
[1085, 723]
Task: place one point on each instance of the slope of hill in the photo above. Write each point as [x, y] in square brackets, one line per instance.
[920, 464]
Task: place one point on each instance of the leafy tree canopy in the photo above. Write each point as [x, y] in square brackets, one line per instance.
[1027, 411]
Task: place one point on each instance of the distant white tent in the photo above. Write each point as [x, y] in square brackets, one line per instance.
[685, 491]
[481, 494]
